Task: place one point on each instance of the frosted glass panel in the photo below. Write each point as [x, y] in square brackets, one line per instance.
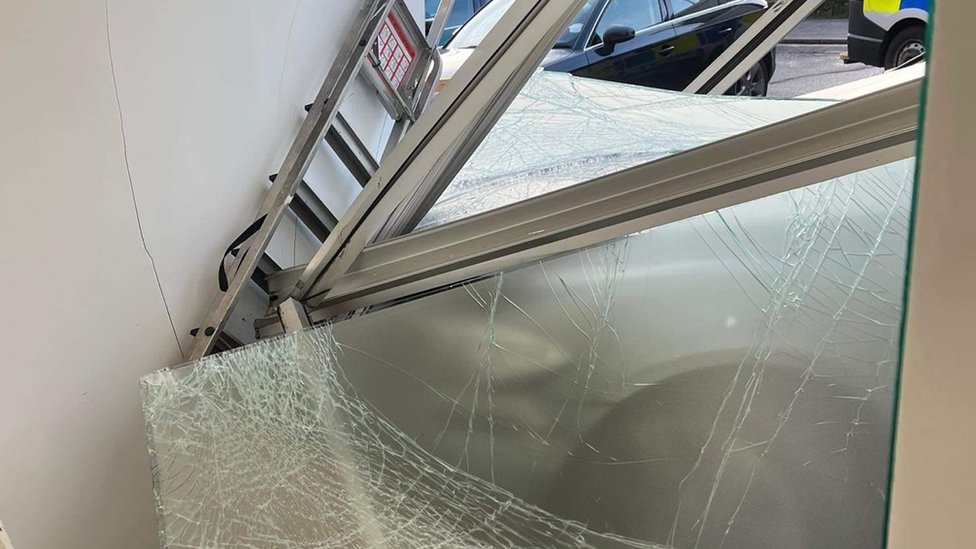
[725, 381]
[562, 130]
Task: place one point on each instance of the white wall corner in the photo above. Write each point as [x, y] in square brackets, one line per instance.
[127, 171]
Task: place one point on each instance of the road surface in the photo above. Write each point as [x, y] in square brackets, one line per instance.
[812, 61]
[804, 68]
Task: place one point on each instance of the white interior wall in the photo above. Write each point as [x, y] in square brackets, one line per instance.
[934, 475]
[136, 137]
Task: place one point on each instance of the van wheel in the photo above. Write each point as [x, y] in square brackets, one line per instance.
[907, 46]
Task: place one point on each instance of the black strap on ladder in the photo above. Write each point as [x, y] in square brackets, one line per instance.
[234, 249]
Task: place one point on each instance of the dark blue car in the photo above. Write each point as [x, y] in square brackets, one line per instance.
[658, 43]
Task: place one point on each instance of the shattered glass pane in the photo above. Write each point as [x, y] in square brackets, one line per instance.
[268, 447]
[562, 130]
[725, 381]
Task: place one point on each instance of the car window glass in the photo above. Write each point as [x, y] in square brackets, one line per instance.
[636, 14]
[475, 30]
[460, 12]
[572, 32]
[687, 7]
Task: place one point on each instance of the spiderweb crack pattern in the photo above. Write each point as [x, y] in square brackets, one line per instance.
[268, 447]
[724, 381]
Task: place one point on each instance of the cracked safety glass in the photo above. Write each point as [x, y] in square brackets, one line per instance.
[562, 130]
[724, 381]
[615, 90]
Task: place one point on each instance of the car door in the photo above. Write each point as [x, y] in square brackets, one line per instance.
[642, 60]
[704, 29]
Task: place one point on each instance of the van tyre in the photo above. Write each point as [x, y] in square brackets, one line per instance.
[907, 45]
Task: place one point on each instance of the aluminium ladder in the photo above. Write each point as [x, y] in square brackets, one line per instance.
[403, 65]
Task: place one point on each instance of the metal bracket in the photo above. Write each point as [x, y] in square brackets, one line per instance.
[293, 316]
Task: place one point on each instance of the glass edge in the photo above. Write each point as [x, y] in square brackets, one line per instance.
[909, 256]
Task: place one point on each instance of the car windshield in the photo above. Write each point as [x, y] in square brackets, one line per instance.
[472, 33]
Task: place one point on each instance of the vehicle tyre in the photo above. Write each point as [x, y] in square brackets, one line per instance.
[907, 45]
[754, 83]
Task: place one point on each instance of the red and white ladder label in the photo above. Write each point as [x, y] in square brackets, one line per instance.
[394, 51]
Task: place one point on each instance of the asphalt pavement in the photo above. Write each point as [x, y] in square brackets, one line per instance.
[809, 59]
[818, 31]
[802, 69]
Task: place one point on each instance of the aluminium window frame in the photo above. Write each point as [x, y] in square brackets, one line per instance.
[439, 143]
[836, 140]
[367, 261]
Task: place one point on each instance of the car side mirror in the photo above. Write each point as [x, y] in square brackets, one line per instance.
[614, 35]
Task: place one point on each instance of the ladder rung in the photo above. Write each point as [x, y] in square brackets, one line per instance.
[266, 268]
[313, 213]
[311, 210]
[350, 149]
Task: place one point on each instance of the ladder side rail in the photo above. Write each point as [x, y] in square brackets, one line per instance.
[293, 168]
